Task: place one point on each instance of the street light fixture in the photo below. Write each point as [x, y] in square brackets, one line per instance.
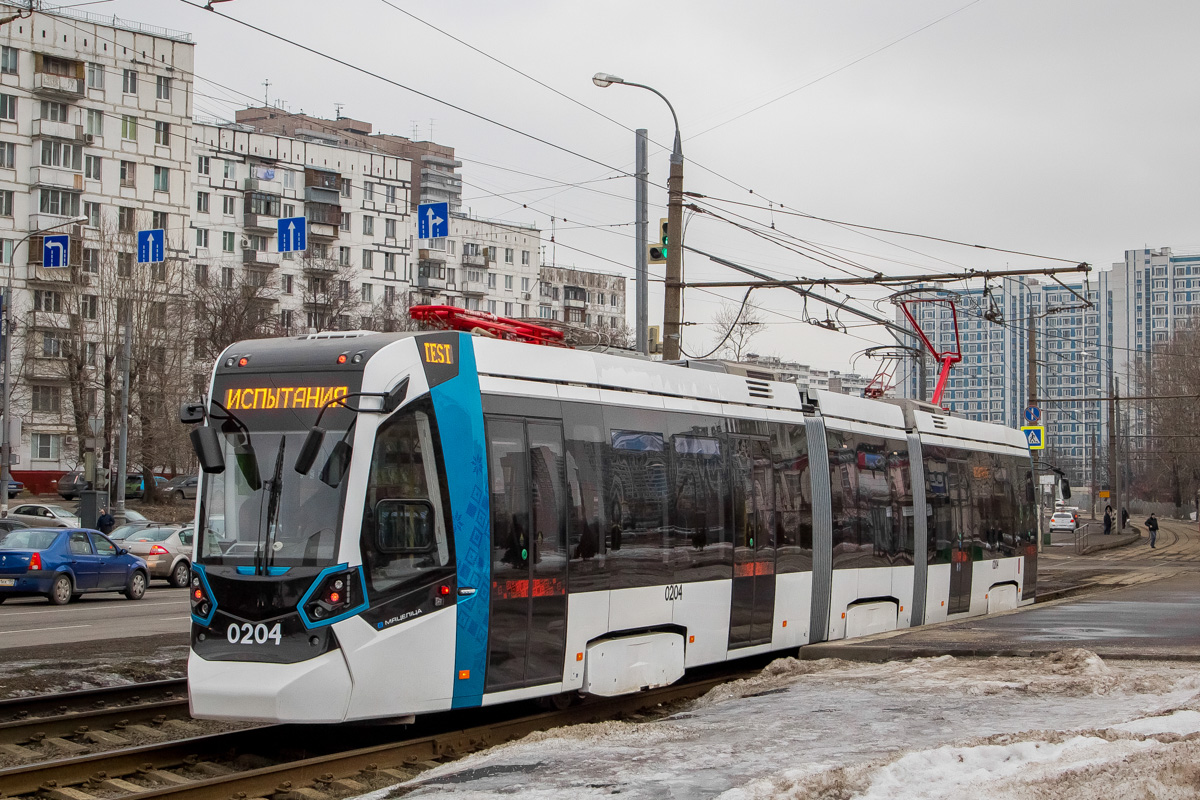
[5, 445]
[673, 303]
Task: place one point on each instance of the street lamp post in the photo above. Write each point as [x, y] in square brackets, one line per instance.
[5, 444]
[672, 307]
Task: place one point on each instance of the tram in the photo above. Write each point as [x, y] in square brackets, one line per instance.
[399, 524]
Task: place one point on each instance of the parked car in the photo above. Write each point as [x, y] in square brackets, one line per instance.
[122, 532]
[182, 488]
[1063, 521]
[71, 485]
[167, 551]
[63, 564]
[15, 487]
[8, 524]
[134, 516]
[44, 515]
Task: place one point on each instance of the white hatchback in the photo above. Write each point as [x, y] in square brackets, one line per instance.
[1062, 521]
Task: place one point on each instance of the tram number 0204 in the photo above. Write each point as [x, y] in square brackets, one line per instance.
[673, 592]
[252, 634]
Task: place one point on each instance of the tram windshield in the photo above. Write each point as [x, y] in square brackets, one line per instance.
[260, 512]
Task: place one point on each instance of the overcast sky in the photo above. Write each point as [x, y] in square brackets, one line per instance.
[1058, 127]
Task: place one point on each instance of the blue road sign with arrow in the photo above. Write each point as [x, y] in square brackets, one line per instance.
[151, 245]
[293, 234]
[1035, 436]
[56, 251]
[433, 220]
[1033, 414]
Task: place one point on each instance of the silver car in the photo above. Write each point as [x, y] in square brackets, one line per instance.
[44, 515]
[182, 488]
[167, 551]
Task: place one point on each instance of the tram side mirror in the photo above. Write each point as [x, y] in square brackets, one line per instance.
[335, 467]
[1066, 488]
[207, 445]
[395, 397]
[309, 450]
[190, 413]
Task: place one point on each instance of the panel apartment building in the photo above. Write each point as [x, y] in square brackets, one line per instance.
[95, 116]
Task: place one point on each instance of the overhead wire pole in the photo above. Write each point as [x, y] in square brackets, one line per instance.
[641, 276]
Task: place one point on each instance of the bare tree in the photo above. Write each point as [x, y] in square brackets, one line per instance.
[736, 326]
[328, 292]
[390, 312]
[1165, 460]
[230, 304]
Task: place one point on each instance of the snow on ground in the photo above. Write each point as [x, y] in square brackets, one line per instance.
[1065, 726]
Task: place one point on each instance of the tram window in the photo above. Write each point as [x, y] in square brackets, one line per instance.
[701, 547]
[400, 542]
[586, 518]
[870, 482]
[793, 498]
[636, 497]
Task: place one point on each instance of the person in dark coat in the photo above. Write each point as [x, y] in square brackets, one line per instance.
[1124, 516]
[1107, 521]
[1152, 526]
[105, 522]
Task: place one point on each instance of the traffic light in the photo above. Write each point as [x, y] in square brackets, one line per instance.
[658, 252]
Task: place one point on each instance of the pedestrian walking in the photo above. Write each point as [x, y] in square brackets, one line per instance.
[105, 522]
[1107, 521]
[1152, 526]
[1124, 517]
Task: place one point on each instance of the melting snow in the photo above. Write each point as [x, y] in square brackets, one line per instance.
[1065, 726]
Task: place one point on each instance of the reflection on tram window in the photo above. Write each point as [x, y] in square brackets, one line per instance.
[871, 488]
[978, 504]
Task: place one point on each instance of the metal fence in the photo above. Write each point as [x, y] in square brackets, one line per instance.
[1085, 533]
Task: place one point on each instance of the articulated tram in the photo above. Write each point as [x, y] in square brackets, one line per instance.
[397, 524]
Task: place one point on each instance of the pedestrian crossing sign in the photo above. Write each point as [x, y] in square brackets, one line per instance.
[1035, 436]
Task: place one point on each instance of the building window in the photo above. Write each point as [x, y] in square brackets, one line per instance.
[8, 60]
[92, 212]
[202, 165]
[230, 170]
[47, 399]
[345, 187]
[227, 241]
[163, 88]
[343, 256]
[525, 258]
[129, 81]
[95, 76]
[524, 285]
[124, 265]
[368, 259]
[6, 203]
[345, 221]
[389, 229]
[368, 226]
[45, 446]
[61, 154]
[260, 203]
[89, 306]
[57, 201]
[52, 111]
[227, 206]
[129, 127]
[289, 179]
[202, 272]
[367, 291]
[162, 179]
[508, 255]
[47, 301]
[491, 280]
[285, 319]
[128, 174]
[390, 193]
[227, 277]
[508, 282]
[91, 167]
[389, 295]
[389, 262]
[162, 132]
[8, 107]
[368, 191]
[8, 154]
[202, 202]
[51, 345]
[159, 220]
[91, 260]
[286, 284]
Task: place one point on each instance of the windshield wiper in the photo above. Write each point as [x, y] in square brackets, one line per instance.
[268, 557]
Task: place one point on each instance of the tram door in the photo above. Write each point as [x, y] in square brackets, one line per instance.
[528, 627]
[752, 612]
[960, 575]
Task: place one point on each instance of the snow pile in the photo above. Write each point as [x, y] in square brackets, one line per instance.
[1063, 726]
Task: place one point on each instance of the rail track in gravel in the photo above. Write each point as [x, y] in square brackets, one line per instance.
[86, 718]
[315, 762]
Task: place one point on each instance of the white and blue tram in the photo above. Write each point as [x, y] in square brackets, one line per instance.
[396, 524]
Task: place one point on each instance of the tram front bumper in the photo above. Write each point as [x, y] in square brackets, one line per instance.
[316, 690]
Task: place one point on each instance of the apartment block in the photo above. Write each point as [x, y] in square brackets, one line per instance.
[581, 297]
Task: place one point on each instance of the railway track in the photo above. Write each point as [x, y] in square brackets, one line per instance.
[73, 720]
[295, 762]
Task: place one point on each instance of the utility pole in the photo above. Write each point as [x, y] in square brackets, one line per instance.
[1031, 380]
[123, 441]
[1095, 447]
[642, 281]
[1117, 477]
[672, 307]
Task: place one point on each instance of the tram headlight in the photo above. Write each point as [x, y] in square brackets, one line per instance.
[336, 594]
[202, 603]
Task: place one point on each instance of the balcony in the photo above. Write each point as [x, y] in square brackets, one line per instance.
[58, 178]
[574, 302]
[473, 288]
[474, 260]
[57, 85]
[322, 230]
[317, 194]
[261, 185]
[57, 130]
[431, 274]
[260, 222]
[257, 259]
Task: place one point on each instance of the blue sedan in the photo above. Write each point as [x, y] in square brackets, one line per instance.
[63, 563]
